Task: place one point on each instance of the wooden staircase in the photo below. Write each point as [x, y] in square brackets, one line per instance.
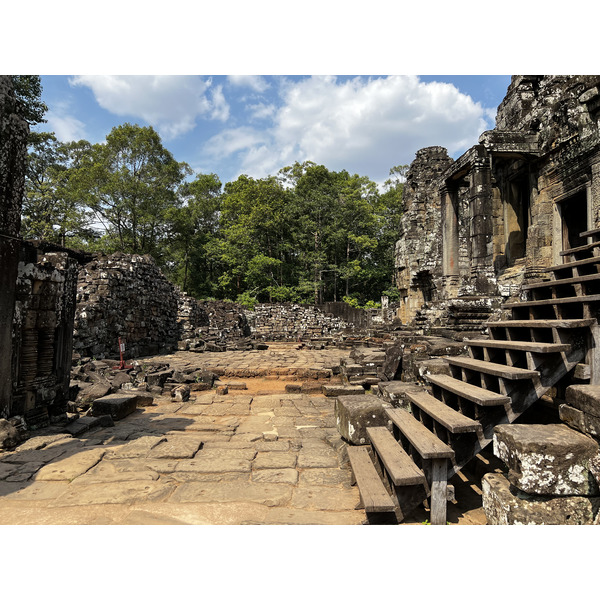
[439, 431]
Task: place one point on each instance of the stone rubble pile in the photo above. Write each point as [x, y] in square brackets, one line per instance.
[288, 321]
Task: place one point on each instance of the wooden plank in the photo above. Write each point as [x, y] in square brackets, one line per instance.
[522, 346]
[543, 323]
[466, 390]
[426, 443]
[498, 370]
[571, 265]
[439, 492]
[557, 282]
[397, 463]
[453, 421]
[570, 300]
[589, 232]
[572, 251]
[373, 494]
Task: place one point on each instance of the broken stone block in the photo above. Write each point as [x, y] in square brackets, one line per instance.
[354, 414]
[343, 390]
[293, 388]
[118, 406]
[394, 392]
[9, 435]
[505, 505]
[548, 459]
[585, 398]
[181, 393]
[577, 419]
[91, 393]
[432, 366]
[81, 425]
[392, 366]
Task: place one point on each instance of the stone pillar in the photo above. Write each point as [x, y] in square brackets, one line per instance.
[449, 241]
[13, 149]
[482, 246]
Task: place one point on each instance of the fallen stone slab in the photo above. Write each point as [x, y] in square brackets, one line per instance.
[505, 505]
[548, 459]
[355, 413]
[343, 390]
[118, 406]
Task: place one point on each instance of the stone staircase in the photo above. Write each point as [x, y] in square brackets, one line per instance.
[438, 432]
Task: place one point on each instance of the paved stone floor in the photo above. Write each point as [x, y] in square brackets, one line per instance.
[252, 456]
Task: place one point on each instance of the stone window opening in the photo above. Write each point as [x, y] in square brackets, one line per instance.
[574, 219]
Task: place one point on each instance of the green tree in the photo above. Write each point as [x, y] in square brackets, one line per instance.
[28, 94]
[130, 183]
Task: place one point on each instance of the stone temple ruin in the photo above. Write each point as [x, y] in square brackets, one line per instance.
[486, 373]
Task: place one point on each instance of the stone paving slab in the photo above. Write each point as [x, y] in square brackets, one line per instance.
[275, 460]
[179, 446]
[289, 476]
[137, 448]
[274, 494]
[67, 469]
[210, 465]
[122, 492]
[110, 472]
[325, 498]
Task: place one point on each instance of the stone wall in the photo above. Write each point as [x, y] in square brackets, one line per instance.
[43, 334]
[292, 321]
[126, 296]
[13, 149]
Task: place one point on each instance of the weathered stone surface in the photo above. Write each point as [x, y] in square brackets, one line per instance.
[179, 446]
[9, 435]
[70, 467]
[504, 505]
[274, 494]
[41, 441]
[577, 419]
[86, 396]
[325, 498]
[343, 390]
[585, 398]
[138, 448]
[118, 406]
[355, 413]
[394, 392]
[317, 456]
[326, 477]
[274, 460]
[120, 492]
[214, 464]
[289, 476]
[548, 459]
[113, 471]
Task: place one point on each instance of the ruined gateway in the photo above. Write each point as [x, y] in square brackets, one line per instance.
[490, 256]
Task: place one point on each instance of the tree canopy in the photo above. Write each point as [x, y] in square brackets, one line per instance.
[306, 234]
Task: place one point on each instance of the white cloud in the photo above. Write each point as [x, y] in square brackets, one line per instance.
[361, 125]
[255, 82]
[261, 110]
[65, 126]
[169, 103]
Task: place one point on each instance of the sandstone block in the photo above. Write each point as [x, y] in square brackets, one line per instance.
[585, 398]
[548, 459]
[504, 505]
[9, 435]
[118, 406]
[579, 420]
[394, 392]
[355, 413]
[343, 390]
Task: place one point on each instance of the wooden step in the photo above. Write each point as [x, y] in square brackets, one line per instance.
[586, 248]
[522, 346]
[575, 263]
[553, 301]
[589, 233]
[556, 282]
[399, 465]
[373, 494]
[543, 323]
[483, 366]
[466, 390]
[453, 421]
[426, 443]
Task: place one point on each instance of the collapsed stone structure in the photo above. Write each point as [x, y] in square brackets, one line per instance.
[474, 229]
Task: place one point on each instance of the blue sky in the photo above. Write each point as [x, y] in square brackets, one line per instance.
[256, 125]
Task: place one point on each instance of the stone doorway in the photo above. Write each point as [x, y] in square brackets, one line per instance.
[574, 219]
[517, 219]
